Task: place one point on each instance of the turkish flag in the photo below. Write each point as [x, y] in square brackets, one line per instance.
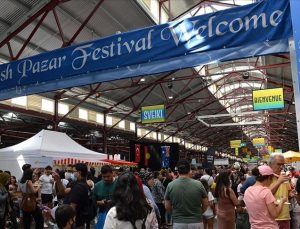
[137, 153]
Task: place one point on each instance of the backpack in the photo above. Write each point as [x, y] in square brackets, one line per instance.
[28, 203]
[90, 210]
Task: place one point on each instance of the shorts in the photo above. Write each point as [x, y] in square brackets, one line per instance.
[187, 226]
[47, 198]
[208, 214]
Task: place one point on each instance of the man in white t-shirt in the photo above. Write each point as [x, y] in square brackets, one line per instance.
[47, 190]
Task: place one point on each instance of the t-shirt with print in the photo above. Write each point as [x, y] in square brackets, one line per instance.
[158, 192]
[256, 199]
[185, 195]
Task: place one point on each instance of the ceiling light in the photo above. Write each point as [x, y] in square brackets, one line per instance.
[10, 115]
[49, 127]
[62, 124]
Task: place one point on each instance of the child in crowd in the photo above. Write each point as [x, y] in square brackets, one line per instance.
[65, 217]
[242, 217]
[242, 181]
[208, 215]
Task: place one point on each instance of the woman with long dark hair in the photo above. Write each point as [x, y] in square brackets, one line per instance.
[131, 209]
[26, 187]
[226, 202]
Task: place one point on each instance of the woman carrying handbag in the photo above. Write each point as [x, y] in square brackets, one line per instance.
[29, 205]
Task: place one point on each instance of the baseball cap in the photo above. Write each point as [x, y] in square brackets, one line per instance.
[236, 165]
[265, 170]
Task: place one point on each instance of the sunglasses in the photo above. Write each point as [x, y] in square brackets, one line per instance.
[280, 164]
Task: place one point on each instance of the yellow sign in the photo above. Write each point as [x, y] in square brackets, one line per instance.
[270, 149]
[246, 159]
[266, 157]
[258, 141]
[268, 99]
[235, 144]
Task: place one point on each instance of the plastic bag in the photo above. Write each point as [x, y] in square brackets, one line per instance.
[101, 220]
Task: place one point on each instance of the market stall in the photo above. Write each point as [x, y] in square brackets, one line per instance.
[43, 149]
[121, 163]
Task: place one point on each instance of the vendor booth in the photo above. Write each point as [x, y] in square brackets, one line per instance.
[43, 149]
[73, 161]
[121, 163]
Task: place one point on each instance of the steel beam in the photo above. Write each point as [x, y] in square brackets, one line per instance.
[92, 91]
[138, 91]
[43, 6]
[134, 109]
[84, 23]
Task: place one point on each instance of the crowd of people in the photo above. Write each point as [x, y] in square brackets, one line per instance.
[187, 198]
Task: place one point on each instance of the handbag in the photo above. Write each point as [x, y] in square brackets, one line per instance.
[28, 203]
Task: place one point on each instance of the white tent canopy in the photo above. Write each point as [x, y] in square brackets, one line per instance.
[50, 145]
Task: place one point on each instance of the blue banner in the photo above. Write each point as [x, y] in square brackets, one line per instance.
[252, 30]
[295, 7]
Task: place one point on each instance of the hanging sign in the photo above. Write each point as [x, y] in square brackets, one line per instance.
[209, 158]
[221, 161]
[246, 159]
[236, 151]
[235, 144]
[268, 99]
[252, 30]
[266, 157]
[153, 114]
[270, 149]
[258, 141]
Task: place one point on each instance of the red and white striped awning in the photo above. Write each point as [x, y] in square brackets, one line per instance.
[73, 161]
